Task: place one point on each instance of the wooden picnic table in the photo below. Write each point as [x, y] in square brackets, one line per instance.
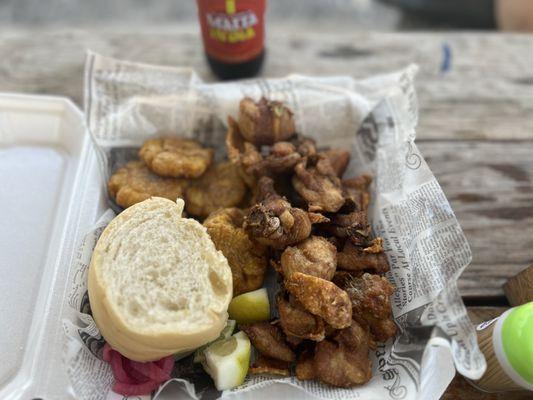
[475, 93]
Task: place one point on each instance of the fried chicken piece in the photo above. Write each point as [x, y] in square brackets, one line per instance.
[305, 366]
[344, 361]
[282, 156]
[274, 222]
[381, 329]
[220, 187]
[370, 297]
[339, 160]
[356, 258]
[134, 183]
[269, 340]
[318, 185]
[281, 159]
[293, 341]
[269, 366]
[176, 157]
[297, 322]
[356, 193]
[243, 154]
[317, 218]
[314, 256]
[305, 146]
[322, 298]
[247, 259]
[343, 278]
[265, 121]
[353, 226]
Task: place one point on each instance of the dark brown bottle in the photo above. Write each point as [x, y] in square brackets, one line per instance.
[233, 36]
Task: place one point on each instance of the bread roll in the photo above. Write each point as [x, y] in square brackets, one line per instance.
[157, 285]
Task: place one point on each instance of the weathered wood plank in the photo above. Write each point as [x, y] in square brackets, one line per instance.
[490, 187]
[519, 288]
[485, 90]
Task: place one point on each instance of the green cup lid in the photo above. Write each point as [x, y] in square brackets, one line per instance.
[516, 333]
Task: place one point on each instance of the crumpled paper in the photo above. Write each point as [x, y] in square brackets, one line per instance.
[127, 103]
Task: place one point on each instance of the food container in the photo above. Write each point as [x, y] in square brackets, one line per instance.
[50, 195]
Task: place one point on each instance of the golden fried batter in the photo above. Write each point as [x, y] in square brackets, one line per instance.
[243, 154]
[269, 366]
[318, 185]
[370, 297]
[356, 258]
[246, 258]
[220, 187]
[281, 158]
[344, 361]
[342, 278]
[356, 192]
[339, 160]
[314, 256]
[305, 366]
[298, 322]
[268, 339]
[265, 121]
[176, 157]
[322, 298]
[134, 183]
[353, 226]
[274, 222]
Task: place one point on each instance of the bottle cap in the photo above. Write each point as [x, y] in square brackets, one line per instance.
[513, 344]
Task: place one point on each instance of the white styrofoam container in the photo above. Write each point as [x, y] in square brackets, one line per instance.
[50, 194]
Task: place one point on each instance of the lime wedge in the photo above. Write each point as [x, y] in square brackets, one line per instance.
[250, 307]
[226, 333]
[227, 361]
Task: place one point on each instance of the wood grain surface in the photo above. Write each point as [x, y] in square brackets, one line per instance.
[519, 288]
[470, 85]
[490, 187]
[476, 111]
[476, 119]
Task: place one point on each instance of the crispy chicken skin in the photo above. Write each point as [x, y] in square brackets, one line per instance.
[269, 366]
[318, 184]
[370, 258]
[343, 360]
[322, 298]
[370, 297]
[314, 256]
[297, 322]
[273, 221]
[176, 157]
[134, 183]
[247, 259]
[269, 340]
[339, 160]
[352, 226]
[265, 121]
[356, 192]
[305, 366]
[280, 158]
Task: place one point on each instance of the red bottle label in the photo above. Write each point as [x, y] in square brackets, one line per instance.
[233, 30]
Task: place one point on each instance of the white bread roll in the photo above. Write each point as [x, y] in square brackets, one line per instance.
[157, 285]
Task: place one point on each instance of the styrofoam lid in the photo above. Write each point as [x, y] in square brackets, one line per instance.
[41, 146]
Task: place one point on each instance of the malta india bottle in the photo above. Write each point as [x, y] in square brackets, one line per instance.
[233, 35]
